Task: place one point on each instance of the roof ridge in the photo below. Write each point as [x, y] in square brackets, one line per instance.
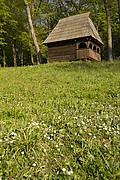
[72, 16]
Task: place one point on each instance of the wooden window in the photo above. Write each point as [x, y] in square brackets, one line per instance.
[94, 48]
[82, 46]
[90, 45]
[98, 50]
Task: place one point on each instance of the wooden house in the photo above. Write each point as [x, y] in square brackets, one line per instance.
[74, 38]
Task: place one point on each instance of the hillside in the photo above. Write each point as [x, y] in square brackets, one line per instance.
[60, 121]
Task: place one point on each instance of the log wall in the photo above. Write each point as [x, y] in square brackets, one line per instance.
[65, 52]
[71, 51]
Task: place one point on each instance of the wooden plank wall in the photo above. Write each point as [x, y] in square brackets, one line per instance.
[94, 55]
[82, 54]
[88, 54]
[62, 53]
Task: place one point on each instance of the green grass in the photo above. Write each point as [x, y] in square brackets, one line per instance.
[60, 121]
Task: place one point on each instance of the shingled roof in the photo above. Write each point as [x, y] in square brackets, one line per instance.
[73, 27]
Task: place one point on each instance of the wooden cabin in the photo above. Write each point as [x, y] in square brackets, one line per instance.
[74, 38]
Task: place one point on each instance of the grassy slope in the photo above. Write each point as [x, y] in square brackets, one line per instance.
[60, 121]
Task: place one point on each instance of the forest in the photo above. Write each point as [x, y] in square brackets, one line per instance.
[17, 45]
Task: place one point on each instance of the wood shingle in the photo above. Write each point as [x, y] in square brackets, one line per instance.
[73, 27]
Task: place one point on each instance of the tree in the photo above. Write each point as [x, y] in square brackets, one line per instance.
[16, 43]
[110, 49]
[119, 11]
[13, 26]
[32, 31]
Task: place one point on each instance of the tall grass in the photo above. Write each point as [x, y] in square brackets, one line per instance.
[60, 121]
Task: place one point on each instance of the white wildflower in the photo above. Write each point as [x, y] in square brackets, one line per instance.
[94, 136]
[45, 135]
[110, 106]
[105, 128]
[82, 122]
[37, 124]
[22, 152]
[13, 137]
[34, 164]
[107, 116]
[70, 172]
[44, 150]
[90, 133]
[59, 117]
[6, 139]
[63, 169]
[75, 117]
[105, 145]
[117, 132]
[98, 117]
[56, 146]
[13, 134]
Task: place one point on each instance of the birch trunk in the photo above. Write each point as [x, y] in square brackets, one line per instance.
[32, 60]
[32, 31]
[110, 53]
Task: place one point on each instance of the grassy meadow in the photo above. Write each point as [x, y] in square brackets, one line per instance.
[60, 121]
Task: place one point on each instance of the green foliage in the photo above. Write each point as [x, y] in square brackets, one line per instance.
[45, 15]
[4, 16]
[60, 121]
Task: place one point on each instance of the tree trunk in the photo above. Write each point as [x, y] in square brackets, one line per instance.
[32, 59]
[4, 62]
[21, 58]
[119, 11]
[32, 31]
[110, 53]
[14, 55]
